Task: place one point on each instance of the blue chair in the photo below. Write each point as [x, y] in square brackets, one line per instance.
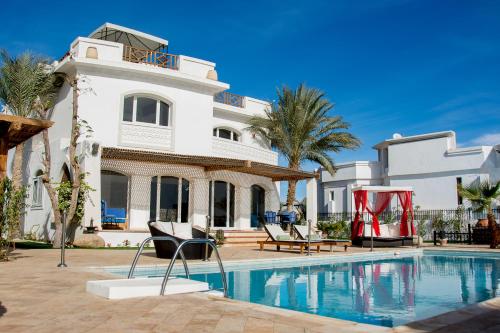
[112, 215]
[288, 217]
[270, 217]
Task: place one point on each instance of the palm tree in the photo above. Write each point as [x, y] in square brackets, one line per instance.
[21, 81]
[481, 196]
[299, 127]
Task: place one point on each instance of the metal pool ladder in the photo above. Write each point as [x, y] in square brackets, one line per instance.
[174, 257]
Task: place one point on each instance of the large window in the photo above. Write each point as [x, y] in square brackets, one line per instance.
[114, 192]
[147, 110]
[37, 196]
[226, 134]
[169, 199]
[221, 204]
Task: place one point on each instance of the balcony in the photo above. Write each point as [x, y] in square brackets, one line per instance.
[232, 149]
[155, 58]
[230, 99]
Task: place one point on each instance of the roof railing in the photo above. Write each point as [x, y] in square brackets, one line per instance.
[155, 58]
[230, 99]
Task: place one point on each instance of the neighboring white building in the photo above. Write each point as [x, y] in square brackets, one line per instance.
[160, 123]
[430, 163]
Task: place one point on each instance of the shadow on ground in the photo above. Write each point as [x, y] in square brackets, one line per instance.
[3, 309]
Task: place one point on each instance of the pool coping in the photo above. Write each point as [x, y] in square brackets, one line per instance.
[423, 325]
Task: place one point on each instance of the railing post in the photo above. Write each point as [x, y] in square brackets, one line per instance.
[434, 238]
[207, 232]
[470, 234]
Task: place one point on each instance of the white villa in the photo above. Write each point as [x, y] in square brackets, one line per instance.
[169, 141]
[430, 163]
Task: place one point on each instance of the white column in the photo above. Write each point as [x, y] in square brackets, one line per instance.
[244, 200]
[312, 200]
[140, 188]
[92, 166]
[200, 201]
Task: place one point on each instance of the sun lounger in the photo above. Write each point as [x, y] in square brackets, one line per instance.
[181, 232]
[279, 237]
[302, 233]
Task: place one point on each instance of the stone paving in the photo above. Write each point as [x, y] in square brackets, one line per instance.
[36, 296]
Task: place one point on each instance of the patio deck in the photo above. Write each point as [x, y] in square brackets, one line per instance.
[35, 295]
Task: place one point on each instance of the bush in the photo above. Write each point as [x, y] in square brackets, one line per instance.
[338, 229]
[12, 204]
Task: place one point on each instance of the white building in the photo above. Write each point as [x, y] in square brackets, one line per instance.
[161, 125]
[430, 163]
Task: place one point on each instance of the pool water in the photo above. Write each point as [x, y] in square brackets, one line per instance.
[387, 292]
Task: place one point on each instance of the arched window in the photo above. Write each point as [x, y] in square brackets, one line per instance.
[37, 195]
[221, 204]
[169, 199]
[225, 133]
[143, 109]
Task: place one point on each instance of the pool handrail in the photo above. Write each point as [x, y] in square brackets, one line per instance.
[147, 240]
[179, 250]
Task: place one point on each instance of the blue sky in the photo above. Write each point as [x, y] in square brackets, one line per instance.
[389, 66]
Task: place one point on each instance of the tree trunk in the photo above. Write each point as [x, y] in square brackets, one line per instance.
[17, 167]
[290, 197]
[73, 159]
[50, 189]
[292, 187]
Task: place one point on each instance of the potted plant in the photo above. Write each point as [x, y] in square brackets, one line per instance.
[439, 224]
[481, 196]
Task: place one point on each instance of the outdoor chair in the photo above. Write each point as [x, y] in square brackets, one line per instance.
[278, 237]
[112, 215]
[302, 232]
[180, 231]
[270, 217]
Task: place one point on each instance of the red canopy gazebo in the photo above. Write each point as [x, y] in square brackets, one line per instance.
[382, 199]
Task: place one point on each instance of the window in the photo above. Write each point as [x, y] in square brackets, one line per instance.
[460, 200]
[37, 198]
[171, 202]
[146, 110]
[332, 195]
[221, 204]
[226, 134]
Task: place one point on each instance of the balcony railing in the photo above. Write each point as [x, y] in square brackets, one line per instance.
[230, 99]
[155, 58]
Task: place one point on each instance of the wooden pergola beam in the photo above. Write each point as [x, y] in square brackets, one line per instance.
[209, 163]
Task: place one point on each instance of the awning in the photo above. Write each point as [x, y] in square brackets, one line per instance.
[209, 163]
[115, 33]
[13, 131]
[16, 129]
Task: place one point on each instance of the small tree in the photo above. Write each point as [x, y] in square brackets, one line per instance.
[300, 127]
[481, 196]
[12, 205]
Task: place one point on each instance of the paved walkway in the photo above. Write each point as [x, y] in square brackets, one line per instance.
[36, 296]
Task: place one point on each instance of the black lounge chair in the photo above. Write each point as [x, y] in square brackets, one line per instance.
[166, 249]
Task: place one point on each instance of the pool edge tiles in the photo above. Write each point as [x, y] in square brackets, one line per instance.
[268, 263]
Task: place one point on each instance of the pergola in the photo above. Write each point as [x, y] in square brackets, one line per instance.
[209, 163]
[15, 130]
[383, 197]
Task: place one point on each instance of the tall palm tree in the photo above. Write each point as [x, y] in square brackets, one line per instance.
[481, 196]
[21, 81]
[299, 127]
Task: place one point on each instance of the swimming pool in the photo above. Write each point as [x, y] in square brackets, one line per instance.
[378, 289]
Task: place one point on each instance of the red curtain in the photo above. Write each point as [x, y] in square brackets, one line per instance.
[360, 200]
[382, 200]
[406, 205]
